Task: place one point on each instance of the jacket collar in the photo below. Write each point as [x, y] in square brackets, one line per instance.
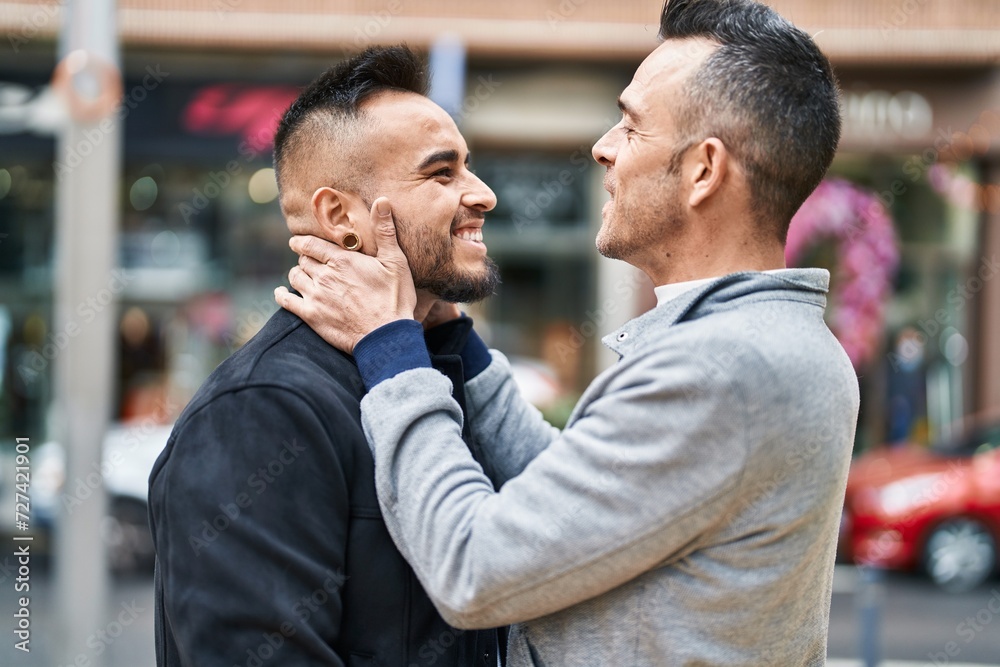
[450, 337]
[804, 285]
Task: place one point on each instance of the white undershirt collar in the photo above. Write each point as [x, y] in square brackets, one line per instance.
[666, 293]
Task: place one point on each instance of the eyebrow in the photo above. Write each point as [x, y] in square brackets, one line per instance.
[441, 156]
[627, 110]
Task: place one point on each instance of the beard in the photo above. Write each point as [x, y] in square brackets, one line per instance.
[631, 229]
[640, 223]
[432, 264]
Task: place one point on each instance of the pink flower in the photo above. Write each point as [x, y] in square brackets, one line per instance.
[867, 257]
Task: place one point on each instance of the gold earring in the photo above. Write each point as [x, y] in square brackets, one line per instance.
[352, 241]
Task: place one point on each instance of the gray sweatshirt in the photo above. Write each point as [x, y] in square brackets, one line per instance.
[686, 515]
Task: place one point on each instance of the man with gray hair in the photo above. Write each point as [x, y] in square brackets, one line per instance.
[688, 512]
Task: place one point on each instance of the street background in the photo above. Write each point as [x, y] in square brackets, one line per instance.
[140, 240]
[920, 620]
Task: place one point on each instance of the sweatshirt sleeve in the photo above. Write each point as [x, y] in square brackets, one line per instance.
[646, 467]
[510, 431]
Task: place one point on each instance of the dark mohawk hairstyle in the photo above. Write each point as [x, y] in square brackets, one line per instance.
[339, 92]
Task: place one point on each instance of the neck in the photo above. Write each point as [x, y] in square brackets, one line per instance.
[300, 223]
[695, 263]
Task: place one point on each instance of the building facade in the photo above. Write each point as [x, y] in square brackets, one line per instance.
[203, 244]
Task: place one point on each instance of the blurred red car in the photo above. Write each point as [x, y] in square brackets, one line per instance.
[934, 508]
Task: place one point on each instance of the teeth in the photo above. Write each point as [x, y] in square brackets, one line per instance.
[470, 234]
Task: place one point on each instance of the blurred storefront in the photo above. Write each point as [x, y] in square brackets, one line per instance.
[201, 247]
[924, 141]
[203, 243]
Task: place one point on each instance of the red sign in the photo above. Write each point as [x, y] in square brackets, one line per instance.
[229, 108]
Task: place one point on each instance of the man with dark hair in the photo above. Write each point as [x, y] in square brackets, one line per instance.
[271, 548]
[688, 512]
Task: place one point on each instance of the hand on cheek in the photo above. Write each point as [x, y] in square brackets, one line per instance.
[346, 295]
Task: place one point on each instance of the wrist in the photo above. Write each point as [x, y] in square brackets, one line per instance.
[391, 349]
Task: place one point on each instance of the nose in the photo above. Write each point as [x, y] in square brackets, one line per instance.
[479, 196]
[605, 151]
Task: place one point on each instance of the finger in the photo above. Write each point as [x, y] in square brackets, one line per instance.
[385, 229]
[290, 302]
[300, 280]
[319, 249]
[310, 266]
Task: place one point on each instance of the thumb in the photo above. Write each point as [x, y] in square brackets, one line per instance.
[385, 229]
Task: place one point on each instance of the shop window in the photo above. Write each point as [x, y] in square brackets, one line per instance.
[921, 389]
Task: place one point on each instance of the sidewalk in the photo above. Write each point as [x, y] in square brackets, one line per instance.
[837, 662]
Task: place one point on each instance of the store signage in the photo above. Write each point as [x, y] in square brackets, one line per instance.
[226, 109]
[884, 115]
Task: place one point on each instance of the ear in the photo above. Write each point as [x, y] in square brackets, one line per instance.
[711, 162]
[337, 213]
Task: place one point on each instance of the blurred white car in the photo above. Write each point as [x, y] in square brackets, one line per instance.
[129, 452]
[536, 380]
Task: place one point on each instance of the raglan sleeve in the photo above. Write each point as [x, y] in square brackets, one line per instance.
[646, 467]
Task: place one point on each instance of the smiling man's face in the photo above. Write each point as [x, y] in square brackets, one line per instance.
[643, 154]
[420, 162]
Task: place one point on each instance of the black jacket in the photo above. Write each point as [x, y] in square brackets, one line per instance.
[271, 549]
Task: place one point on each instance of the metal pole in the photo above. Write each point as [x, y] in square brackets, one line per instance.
[447, 67]
[88, 166]
[869, 602]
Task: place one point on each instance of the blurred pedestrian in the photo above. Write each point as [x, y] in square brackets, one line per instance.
[907, 389]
